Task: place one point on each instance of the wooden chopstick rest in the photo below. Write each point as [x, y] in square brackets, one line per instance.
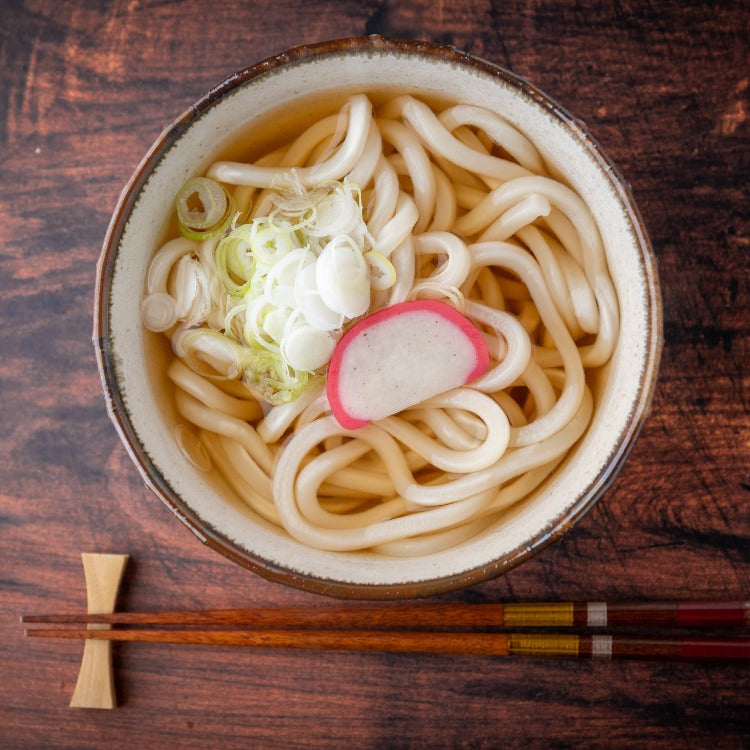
[95, 687]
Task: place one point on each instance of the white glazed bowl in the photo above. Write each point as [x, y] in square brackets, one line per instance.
[132, 361]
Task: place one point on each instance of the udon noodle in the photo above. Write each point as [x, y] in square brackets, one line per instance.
[464, 209]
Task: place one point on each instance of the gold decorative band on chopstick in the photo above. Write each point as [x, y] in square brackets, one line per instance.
[538, 615]
[560, 644]
[541, 644]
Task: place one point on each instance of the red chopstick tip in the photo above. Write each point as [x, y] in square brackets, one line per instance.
[730, 614]
[715, 650]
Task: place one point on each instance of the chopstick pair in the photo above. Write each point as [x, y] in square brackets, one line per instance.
[376, 628]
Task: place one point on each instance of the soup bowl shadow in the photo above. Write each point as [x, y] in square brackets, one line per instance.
[132, 361]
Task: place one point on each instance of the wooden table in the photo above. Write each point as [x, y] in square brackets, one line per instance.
[84, 90]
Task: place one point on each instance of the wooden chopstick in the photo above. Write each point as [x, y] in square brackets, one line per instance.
[493, 644]
[735, 614]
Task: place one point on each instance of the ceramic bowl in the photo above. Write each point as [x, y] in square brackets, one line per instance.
[132, 365]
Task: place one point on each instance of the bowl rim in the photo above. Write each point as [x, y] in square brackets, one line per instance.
[106, 357]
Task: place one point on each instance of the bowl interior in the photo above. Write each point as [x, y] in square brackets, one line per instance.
[133, 359]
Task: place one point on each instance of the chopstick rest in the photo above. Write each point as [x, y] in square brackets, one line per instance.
[95, 687]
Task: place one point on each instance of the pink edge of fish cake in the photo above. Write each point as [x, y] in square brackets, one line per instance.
[467, 338]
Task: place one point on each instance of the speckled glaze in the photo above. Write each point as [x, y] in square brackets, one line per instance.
[137, 396]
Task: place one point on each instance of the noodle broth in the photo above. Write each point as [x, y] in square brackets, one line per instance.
[436, 552]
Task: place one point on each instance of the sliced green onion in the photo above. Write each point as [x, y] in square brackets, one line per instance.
[293, 221]
[278, 286]
[276, 381]
[233, 252]
[341, 277]
[257, 285]
[310, 303]
[307, 348]
[339, 212]
[382, 272]
[274, 322]
[270, 243]
[279, 289]
[229, 319]
[201, 203]
[255, 333]
[292, 198]
[205, 209]
[240, 261]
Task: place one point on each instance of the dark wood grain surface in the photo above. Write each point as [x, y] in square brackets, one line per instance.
[85, 88]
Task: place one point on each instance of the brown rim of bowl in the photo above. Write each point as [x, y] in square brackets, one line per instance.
[272, 571]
